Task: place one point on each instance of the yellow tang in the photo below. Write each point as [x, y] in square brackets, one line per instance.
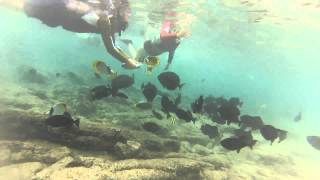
[101, 68]
[151, 62]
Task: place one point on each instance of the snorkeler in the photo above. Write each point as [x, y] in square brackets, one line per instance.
[83, 16]
[168, 41]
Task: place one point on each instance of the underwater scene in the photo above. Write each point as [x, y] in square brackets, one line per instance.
[159, 89]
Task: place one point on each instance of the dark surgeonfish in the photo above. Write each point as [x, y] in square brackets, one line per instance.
[210, 105]
[235, 101]
[178, 99]
[298, 117]
[168, 106]
[170, 80]
[246, 135]
[157, 115]
[100, 92]
[252, 122]
[149, 91]
[221, 100]
[282, 134]
[184, 115]
[197, 105]
[122, 82]
[241, 132]
[151, 127]
[211, 131]
[236, 143]
[64, 120]
[229, 112]
[217, 119]
[314, 141]
[271, 133]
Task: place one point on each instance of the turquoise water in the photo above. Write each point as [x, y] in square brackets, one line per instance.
[272, 65]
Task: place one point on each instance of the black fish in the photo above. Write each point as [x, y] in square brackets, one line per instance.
[149, 91]
[271, 133]
[167, 106]
[235, 101]
[151, 127]
[314, 141]
[197, 105]
[253, 122]
[298, 117]
[157, 115]
[64, 120]
[211, 131]
[178, 100]
[282, 134]
[246, 136]
[185, 115]
[229, 112]
[237, 143]
[209, 99]
[170, 80]
[100, 92]
[215, 117]
[221, 100]
[241, 132]
[122, 82]
[210, 106]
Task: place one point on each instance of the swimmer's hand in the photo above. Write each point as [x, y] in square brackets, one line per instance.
[183, 33]
[131, 64]
[167, 67]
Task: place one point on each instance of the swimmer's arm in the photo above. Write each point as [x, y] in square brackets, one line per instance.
[104, 26]
[170, 58]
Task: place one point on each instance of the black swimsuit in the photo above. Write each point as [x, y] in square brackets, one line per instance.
[159, 46]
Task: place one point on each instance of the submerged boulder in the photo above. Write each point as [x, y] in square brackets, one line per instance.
[129, 150]
[19, 125]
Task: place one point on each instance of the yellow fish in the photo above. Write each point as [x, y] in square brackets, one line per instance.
[173, 120]
[151, 62]
[101, 68]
